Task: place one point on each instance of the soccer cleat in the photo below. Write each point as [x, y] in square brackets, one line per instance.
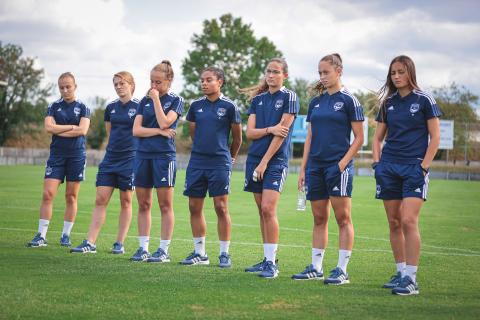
[118, 248]
[224, 260]
[256, 267]
[337, 277]
[84, 247]
[140, 255]
[310, 273]
[406, 287]
[159, 256]
[37, 241]
[270, 271]
[65, 240]
[195, 258]
[394, 281]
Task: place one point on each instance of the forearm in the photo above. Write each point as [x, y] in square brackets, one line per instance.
[160, 114]
[235, 147]
[143, 132]
[58, 129]
[306, 152]
[255, 134]
[431, 151]
[272, 149]
[352, 151]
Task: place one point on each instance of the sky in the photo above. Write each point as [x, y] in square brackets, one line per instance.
[96, 38]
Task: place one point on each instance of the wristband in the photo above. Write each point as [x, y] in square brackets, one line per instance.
[266, 130]
[423, 169]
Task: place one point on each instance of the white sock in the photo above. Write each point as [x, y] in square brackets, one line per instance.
[411, 271]
[43, 227]
[343, 258]
[270, 251]
[67, 227]
[401, 268]
[224, 246]
[144, 241]
[164, 245]
[317, 259]
[199, 244]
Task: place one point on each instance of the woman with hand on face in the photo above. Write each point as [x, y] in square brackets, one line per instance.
[116, 169]
[272, 111]
[67, 120]
[155, 166]
[327, 167]
[211, 118]
[408, 121]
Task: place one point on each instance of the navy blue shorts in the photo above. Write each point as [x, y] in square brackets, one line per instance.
[323, 183]
[397, 181]
[154, 173]
[273, 178]
[198, 181]
[60, 167]
[116, 173]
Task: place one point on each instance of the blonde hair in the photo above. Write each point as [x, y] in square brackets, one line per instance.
[67, 75]
[262, 86]
[318, 88]
[127, 77]
[165, 67]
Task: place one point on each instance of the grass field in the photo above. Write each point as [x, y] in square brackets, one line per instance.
[50, 283]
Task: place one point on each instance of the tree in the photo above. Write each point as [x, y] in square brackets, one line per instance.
[300, 86]
[23, 97]
[97, 132]
[229, 44]
[456, 103]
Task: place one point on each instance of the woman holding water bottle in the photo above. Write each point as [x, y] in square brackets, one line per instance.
[326, 173]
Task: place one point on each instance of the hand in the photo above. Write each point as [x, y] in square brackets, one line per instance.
[341, 166]
[279, 130]
[301, 179]
[260, 170]
[169, 133]
[424, 169]
[153, 93]
[233, 160]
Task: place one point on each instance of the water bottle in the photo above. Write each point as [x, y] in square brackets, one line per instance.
[301, 200]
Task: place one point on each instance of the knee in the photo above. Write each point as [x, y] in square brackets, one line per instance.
[268, 211]
[70, 198]
[320, 220]
[126, 203]
[165, 206]
[344, 221]
[48, 196]
[144, 205]
[101, 201]
[410, 223]
[395, 224]
[221, 209]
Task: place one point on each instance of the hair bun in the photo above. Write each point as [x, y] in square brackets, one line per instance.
[167, 62]
[338, 56]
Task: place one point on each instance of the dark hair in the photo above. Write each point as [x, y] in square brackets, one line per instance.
[335, 60]
[262, 86]
[389, 87]
[219, 73]
[165, 67]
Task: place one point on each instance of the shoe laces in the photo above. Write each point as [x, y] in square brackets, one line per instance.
[335, 273]
[309, 269]
[405, 281]
[224, 257]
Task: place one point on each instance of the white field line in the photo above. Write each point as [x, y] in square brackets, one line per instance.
[157, 217]
[235, 243]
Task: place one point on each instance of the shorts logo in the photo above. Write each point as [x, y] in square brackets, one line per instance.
[131, 112]
[76, 110]
[167, 105]
[278, 104]
[221, 112]
[245, 183]
[391, 108]
[48, 171]
[414, 108]
[338, 106]
[379, 189]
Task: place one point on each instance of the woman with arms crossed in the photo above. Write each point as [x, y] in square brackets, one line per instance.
[272, 111]
[67, 120]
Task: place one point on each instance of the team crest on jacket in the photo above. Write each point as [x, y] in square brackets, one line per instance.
[167, 105]
[131, 112]
[337, 106]
[76, 110]
[414, 107]
[278, 104]
[221, 112]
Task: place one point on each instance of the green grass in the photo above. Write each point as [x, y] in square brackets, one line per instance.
[49, 283]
